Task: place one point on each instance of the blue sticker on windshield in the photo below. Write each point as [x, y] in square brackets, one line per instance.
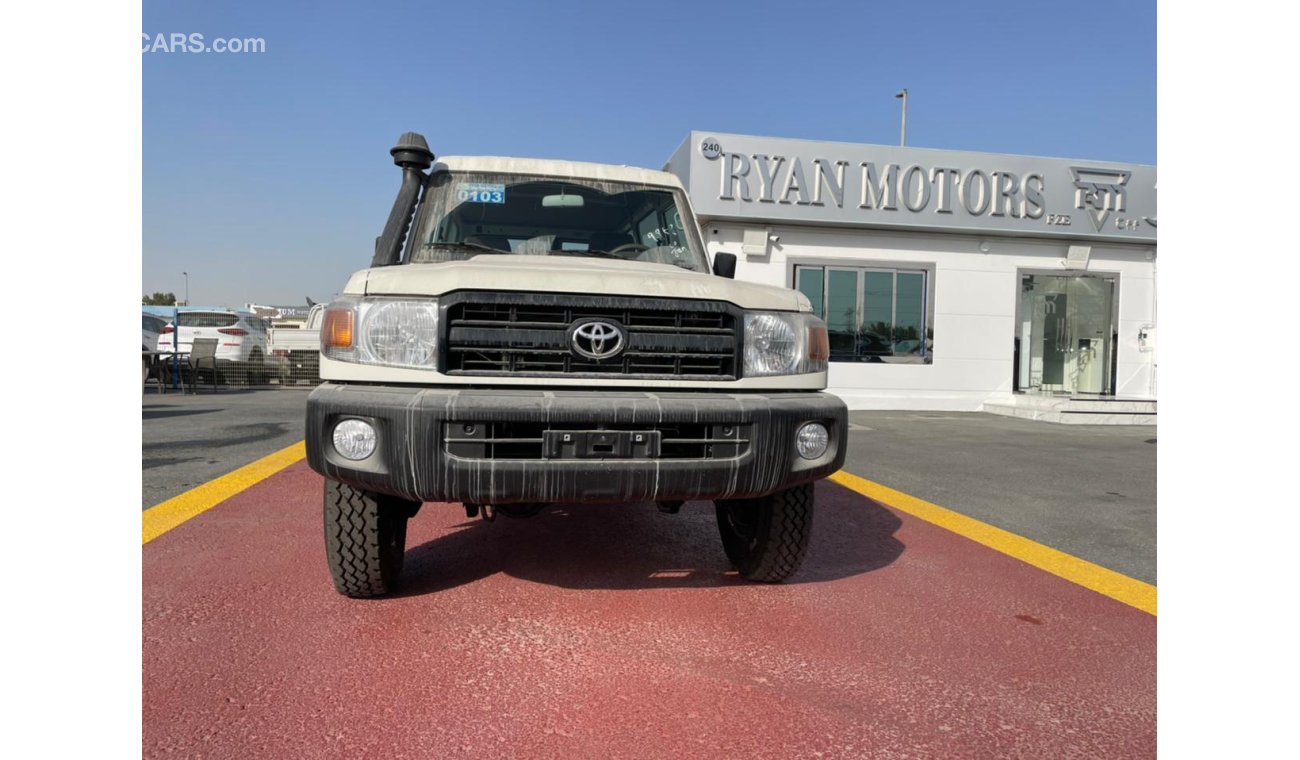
[481, 192]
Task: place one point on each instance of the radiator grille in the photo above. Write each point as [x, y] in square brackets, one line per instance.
[501, 335]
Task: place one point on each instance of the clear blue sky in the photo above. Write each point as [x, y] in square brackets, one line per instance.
[267, 176]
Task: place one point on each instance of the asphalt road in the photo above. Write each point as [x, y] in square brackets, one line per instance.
[1087, 490]
[189, 439]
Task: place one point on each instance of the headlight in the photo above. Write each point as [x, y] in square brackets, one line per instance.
[387, 331]
[782, 343]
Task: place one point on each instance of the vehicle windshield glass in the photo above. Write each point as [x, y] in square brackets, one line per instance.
[475, 214]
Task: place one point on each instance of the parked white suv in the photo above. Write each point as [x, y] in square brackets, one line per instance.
[241, 339]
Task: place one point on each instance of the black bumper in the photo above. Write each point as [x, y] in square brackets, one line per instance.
[504, 446]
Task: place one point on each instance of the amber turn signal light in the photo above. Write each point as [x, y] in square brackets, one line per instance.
[336, 332]
[819, 344]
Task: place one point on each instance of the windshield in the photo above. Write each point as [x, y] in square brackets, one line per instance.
[472, 214]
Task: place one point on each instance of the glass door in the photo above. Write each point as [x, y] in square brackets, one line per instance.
[1066, 323]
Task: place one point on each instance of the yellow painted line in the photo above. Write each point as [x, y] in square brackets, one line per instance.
[161, 518]
[1109, 583]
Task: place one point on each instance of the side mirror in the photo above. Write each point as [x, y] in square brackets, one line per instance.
[724, 265]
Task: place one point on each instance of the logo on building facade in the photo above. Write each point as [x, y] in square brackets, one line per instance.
[917, 188]
[597, 340]
[879, 186]
[1099, 192]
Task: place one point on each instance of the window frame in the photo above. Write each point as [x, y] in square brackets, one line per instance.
[925, 269]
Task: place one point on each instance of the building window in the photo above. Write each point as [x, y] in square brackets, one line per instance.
[873, 314]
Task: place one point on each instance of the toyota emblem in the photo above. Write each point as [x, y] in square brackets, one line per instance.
[597, 340]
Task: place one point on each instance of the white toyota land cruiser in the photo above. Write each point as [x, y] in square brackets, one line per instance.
[551, 332]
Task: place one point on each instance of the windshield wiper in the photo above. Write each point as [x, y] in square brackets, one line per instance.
[592, 254]
[465, 246]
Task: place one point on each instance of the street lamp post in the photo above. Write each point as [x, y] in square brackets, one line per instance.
[903, 94]
[176, 332]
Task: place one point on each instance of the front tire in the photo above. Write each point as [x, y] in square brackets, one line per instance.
[365, 539]
[766, 538]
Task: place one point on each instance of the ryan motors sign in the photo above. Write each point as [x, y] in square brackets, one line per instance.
[746, 177]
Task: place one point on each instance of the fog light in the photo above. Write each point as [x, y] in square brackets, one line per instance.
[812, 440]
[355, 439]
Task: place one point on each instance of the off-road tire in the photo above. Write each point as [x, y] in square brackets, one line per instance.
[766, 538]
[365, 539]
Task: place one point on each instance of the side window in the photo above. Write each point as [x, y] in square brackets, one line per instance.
[878, 313]
[909, 315]
[872, 314]
[842, 314]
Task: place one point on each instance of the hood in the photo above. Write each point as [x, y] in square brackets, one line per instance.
[569, 274]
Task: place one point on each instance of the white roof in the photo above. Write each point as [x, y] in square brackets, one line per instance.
[566, 169]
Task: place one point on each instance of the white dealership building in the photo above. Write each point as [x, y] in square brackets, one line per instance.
[948, 280]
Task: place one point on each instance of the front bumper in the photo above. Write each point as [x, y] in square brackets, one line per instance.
[706, 445]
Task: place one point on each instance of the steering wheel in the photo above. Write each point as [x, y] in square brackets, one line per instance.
[636, 247]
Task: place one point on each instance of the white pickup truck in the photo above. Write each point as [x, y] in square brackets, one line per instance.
[553, 332]
[299, 348]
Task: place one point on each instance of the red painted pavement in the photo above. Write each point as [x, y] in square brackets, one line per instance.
[620, 632]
